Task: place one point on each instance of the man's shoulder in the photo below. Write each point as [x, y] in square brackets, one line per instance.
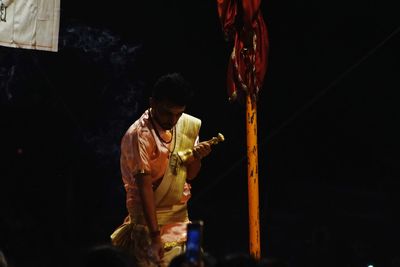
[189, 117]
[190, 121]
[138, 127]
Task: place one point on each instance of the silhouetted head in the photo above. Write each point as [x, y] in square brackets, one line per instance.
[3, 261]
[272, 262]
[237, 260]
[107, 256]
[180, 261]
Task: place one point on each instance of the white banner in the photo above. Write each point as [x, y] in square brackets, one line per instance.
[30, 24]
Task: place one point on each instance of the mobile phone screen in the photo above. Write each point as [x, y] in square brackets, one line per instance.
[194, 242]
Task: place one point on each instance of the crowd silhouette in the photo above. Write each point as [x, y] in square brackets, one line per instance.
[107, 255]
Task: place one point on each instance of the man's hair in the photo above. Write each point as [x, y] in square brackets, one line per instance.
[173, 88]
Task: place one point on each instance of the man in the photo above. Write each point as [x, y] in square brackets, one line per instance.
[155, 176]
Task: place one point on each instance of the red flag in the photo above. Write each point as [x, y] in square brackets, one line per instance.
[242, 21]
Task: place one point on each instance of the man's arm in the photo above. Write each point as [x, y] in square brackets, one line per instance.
[149, 211]
[147, 196]
[193, 166]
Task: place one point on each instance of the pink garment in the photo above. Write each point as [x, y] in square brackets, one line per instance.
[143, 152]
[174, 232]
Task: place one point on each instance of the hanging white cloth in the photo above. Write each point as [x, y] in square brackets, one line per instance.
[30, 24]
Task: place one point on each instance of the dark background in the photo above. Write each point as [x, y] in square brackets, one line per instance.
[328, 129]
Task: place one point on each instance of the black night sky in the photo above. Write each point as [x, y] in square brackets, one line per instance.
[328, 119]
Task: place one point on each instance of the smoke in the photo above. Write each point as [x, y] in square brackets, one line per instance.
[119, 93]
[95, 81]
[6, 76]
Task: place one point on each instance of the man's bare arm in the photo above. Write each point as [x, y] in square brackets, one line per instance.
[147, 196]
[145, 187]
[193, 166]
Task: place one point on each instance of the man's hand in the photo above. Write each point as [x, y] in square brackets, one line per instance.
[201, 150]
[156, 252]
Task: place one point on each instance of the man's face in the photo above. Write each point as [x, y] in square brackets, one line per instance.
[165, 113]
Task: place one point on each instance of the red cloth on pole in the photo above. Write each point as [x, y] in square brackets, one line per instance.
[242, 21]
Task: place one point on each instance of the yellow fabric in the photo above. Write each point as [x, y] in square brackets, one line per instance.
[175, 213]
[169, 192]
[135, 240]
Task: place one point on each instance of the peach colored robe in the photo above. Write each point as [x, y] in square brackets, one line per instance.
[143, 152]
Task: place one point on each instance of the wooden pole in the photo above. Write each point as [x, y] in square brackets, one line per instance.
[252, 176]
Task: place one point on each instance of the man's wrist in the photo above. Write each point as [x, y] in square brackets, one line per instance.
[196, 155]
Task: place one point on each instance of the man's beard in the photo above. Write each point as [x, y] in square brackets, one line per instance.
[164, 126]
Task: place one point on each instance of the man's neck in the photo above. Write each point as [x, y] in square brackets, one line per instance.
[157, 123]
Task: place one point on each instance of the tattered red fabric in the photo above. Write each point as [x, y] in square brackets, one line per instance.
[242, 21]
